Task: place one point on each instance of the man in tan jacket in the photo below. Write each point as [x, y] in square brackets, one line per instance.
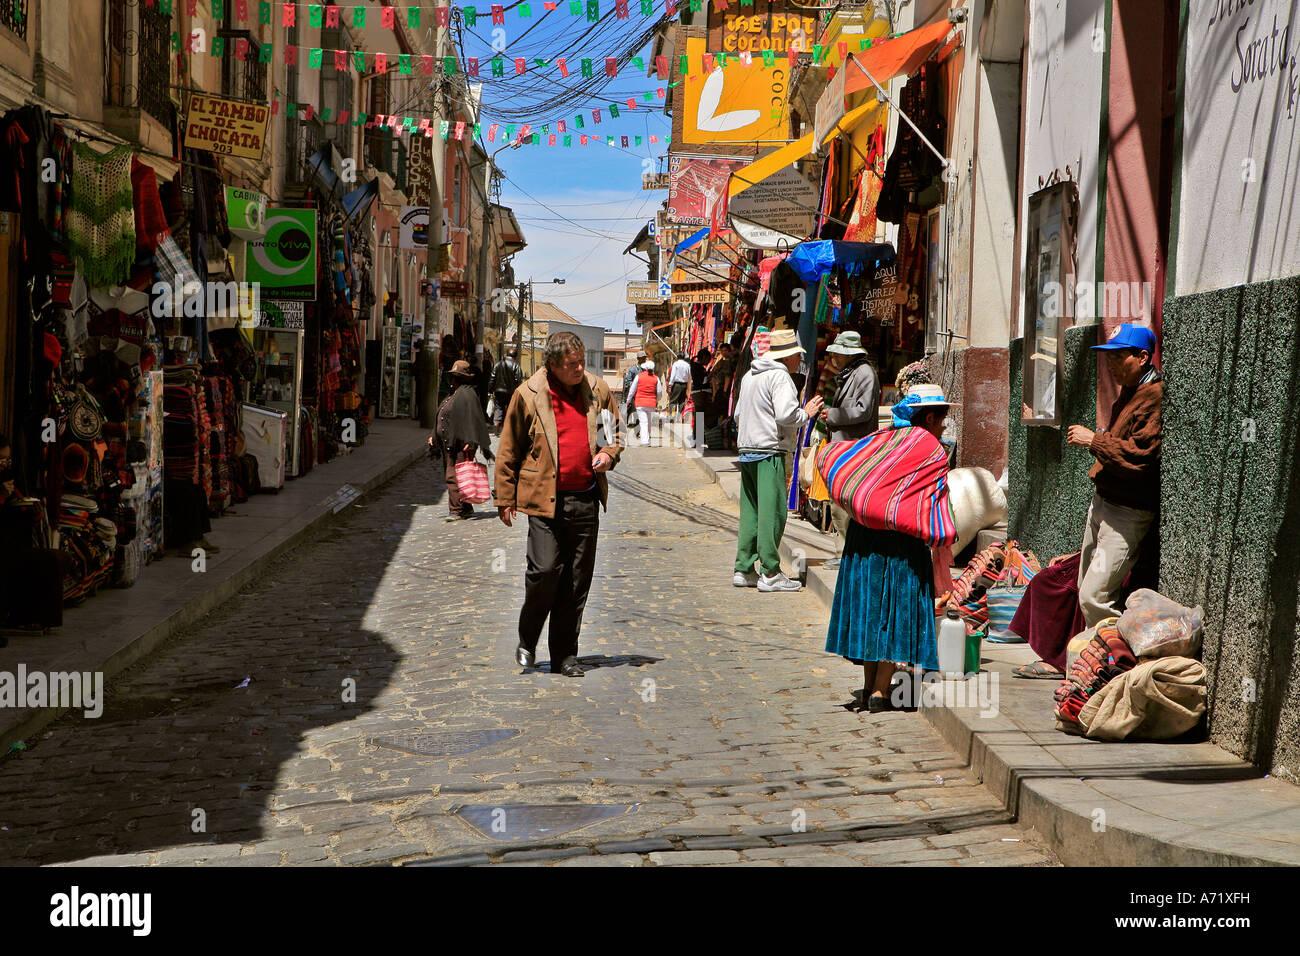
[551, 466]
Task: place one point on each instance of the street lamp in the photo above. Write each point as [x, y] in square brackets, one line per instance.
[532, 336]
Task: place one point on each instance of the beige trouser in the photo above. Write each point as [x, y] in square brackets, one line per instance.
[840, 520]
[1110, 549]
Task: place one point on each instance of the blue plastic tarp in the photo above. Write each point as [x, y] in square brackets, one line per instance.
[812, 260]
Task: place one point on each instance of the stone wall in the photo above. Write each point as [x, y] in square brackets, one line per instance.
[1230, 496]
[977, 378]
[1047, 502]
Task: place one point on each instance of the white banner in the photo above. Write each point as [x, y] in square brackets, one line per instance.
[415, 228]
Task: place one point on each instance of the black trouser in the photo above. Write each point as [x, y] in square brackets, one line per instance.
[561, 558]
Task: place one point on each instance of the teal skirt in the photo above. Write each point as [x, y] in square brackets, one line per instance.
[884, 600]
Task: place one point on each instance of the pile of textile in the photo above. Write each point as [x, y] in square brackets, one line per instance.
[1130, 680]
[1000, 565]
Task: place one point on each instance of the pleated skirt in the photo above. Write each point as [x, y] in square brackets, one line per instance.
[884, 600]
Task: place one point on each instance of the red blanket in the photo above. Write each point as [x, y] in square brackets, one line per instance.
[893, 480]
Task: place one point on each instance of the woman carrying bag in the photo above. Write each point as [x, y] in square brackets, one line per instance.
[460, 432]
[893, 484]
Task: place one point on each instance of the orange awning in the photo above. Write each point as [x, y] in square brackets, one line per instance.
[899, 56]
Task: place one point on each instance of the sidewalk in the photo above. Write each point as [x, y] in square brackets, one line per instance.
[1097, 804]
[119, 626]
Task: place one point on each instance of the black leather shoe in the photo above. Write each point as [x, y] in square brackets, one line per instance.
[524, 657]
[572, 669]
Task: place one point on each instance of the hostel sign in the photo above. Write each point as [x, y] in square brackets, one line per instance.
[228, 127]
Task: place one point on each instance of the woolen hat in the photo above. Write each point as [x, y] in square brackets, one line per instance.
[782, 344]
[847, 343]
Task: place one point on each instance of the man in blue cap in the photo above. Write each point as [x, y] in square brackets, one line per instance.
[1126, 472]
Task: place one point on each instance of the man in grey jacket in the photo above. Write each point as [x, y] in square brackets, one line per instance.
[853, 412]
[769, 419]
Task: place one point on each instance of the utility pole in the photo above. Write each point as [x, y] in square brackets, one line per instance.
[441, 104]
[532, 330]
[483, 280]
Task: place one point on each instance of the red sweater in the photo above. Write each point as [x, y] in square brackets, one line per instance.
[573, 463]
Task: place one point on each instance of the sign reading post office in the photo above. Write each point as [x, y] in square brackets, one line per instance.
[228, 127]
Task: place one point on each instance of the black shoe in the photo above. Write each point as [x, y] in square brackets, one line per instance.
[524, 657]
[878, 705]
[572, 668]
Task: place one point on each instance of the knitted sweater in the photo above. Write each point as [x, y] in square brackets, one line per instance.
[1127, 469]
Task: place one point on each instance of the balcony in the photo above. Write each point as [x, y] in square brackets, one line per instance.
[302, 137]
[13, 16]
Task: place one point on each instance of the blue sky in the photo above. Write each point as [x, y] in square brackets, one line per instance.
[596, 188]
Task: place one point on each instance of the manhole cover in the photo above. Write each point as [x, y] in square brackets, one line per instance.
[451, 744]
[514, 823]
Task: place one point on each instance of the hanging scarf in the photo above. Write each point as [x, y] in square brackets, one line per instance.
[101, 223]
[150, 221]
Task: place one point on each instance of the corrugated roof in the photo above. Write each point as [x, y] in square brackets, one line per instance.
[549, 312]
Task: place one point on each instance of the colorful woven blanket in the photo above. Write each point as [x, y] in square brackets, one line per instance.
[893, 480]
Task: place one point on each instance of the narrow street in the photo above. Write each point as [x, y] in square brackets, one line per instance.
[710, 727]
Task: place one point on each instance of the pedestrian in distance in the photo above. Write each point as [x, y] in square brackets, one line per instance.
[647, 393]
[459, 433]
[679, 381]
[550, 468]
[882, 614]
[1126, 473]
[854, 410]
[701, 396]
[506, 377]
[448, 355]
[769, 418]
[628, 378]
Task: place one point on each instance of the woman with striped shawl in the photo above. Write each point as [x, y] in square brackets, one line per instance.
[883, 612]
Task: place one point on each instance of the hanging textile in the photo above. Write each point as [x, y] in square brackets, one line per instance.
[101, 224]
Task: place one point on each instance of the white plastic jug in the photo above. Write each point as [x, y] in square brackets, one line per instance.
[952, 645]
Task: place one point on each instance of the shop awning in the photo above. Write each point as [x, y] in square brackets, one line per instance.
[884, 60]
[812, 260]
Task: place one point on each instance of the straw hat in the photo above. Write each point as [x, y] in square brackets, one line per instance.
[783, 343]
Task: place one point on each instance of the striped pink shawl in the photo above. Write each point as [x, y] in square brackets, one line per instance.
[893, 480]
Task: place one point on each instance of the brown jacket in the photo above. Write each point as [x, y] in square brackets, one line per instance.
[527, 452]
[1127, 469]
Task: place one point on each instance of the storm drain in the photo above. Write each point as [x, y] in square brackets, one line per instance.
[514, 823]
[450, 744]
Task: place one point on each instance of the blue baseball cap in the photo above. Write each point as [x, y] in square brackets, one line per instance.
[1132, 336]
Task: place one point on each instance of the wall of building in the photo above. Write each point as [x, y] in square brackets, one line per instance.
[1230, 506]
[1047, 501]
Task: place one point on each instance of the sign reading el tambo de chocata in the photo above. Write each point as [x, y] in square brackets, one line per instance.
[228, 127]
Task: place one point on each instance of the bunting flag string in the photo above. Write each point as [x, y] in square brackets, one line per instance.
[362, 16]
[556, 133]
[498, 67]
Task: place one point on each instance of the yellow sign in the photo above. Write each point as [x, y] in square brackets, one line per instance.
[228, 127]
[777, 32]
[736, 103]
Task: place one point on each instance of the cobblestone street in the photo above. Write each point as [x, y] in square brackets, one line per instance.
[710, 728]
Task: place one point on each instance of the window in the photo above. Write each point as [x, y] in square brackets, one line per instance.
[611, 362]
[336, 90]
[137, 61]
[13, 14]
[241, 79]
[1049, 292]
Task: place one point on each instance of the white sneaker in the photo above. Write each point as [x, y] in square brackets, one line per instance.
[778, 582]
[743, 579]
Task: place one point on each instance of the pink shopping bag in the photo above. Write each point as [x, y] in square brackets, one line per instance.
[472, 479]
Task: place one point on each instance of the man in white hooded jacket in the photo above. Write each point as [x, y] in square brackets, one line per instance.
[769, 418]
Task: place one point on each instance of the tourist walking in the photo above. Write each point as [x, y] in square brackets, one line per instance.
[550, 427]
[506, 377]
[679, 381]
[647, 392]
[769, 418]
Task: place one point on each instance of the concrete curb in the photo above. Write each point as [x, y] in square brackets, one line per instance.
[26, 722]
[1099, 804]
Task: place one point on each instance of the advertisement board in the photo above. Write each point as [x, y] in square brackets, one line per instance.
[415, 228]
[736, 103]
[245, 212]
[643, 292]
[695, 184]
[778, 211]
[228, 127]
[283, 260]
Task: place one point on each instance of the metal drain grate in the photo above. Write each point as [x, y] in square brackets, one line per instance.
[450, 744]
[514, 823]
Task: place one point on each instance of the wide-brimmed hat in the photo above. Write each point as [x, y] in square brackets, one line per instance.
[847, 343]
[783, 343]
[460, 369]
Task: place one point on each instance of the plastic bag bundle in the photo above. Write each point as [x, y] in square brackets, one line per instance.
[1155, 626]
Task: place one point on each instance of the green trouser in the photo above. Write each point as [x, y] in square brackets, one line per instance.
[762, 514]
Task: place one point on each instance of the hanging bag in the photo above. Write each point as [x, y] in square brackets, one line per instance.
[472, 480]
